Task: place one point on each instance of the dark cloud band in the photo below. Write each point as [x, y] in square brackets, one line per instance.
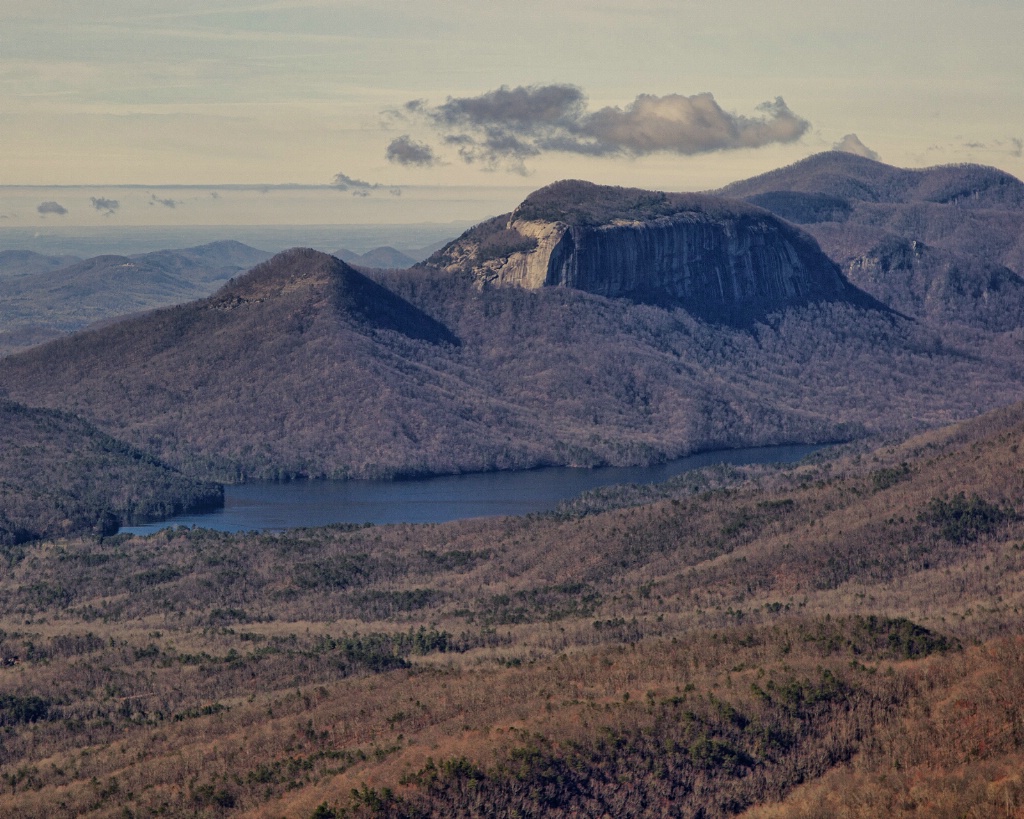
[504, 127]
[105, 206]
[406, 151]
[51, 207]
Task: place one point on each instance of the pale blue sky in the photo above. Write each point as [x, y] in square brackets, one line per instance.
[114, 92]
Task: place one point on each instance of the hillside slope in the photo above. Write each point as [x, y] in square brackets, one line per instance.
[60, 476]
[944, 244]
[305, 367]
[839, 638]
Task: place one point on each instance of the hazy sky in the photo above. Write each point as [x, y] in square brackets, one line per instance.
[388, 95]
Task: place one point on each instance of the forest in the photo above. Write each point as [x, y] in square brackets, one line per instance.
[60, 475]
[840, 637]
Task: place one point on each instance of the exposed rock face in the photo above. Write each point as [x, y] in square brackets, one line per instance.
[717, 258]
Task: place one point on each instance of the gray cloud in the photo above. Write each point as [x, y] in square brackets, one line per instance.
[106, 206]
[167, 203]
[51, 207]
[406, 151]
[851, 144]
[344, 182]
[1014, 146]
[505, 127]
[358, 187]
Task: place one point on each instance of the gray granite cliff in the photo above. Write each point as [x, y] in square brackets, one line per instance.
[718, 258]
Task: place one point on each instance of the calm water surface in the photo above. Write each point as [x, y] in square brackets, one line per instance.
[269, 505]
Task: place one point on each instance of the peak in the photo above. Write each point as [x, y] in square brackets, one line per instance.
[307, 277]
[286, 271]
[576, 202]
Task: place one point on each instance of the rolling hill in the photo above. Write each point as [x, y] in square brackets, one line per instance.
[27, 262]
[386, 258]
[838, 638]
[943, 244]
[55, 299]
[305, 367]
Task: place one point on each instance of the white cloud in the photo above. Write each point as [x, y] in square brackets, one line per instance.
[851, 144]
[505, 127]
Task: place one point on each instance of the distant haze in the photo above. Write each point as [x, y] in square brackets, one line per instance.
[388, 97]
[47, 208]
[98, 240]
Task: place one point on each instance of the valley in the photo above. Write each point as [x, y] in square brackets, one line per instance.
[836, 637]
[723, 649]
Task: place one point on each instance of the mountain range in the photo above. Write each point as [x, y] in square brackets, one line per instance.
[943, 244]
[42, 297]
[533, 339]
[45, 296]
[837, 638]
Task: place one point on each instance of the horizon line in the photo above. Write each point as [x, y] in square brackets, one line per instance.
[248, 186]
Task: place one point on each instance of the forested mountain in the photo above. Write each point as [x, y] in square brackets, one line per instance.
[837, 639]
[27, 262]
[59, 476]
[52, 300]
[305, 367]
[942, 244]
[719, 259]
[855, 178]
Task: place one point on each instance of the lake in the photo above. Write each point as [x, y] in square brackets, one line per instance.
[274, 506]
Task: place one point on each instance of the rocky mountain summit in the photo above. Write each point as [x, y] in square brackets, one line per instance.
[591, 326]
[944, 244]
[718, 259]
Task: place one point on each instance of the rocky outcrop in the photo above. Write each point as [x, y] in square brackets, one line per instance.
[717, 258]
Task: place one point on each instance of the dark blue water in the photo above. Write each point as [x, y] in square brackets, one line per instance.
[267, 505]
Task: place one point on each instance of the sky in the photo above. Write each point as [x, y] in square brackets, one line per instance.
[199, 111]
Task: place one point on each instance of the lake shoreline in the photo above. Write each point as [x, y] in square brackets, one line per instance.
[301, 503]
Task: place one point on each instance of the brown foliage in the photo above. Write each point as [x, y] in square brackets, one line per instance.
[700, 655]
[59, 476]
[317, 372]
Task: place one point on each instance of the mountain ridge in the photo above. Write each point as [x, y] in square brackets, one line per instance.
[57, 300]
[304, 367]
[277, 375]
[720, 259]
[847, 175]
[966, 223]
